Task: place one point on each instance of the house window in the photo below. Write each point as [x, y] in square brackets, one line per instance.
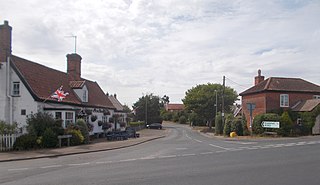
[104, 119]
[58, 115]
[85, 97]
[68, 119]
[16, 89]
[23, 112]
[284, 100]
[316, 96]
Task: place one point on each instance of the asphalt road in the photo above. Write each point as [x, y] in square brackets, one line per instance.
[183, 157]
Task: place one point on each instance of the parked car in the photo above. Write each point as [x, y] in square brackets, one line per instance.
[155, 126]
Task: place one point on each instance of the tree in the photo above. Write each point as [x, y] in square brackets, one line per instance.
[147, 109]
[202, 99]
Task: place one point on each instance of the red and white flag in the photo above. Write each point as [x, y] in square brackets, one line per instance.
[59, 94]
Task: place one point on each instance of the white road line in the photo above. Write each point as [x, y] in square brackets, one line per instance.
[127, 160]
[78, 164]
[188, 136]
[206, 153]
[52, 166]
[185, 155]
[18, 169]
[150, 157]
[104, 162]
[198, 140]
[181, 148]
[221, 151]
[167, 156]
[216, 146]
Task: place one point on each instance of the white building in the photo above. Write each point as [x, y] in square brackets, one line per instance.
[26, 88]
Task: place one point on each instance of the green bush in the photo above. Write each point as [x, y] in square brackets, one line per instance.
[25, 142]
[6, 128]
[286, 125]
[236, 126]
[49, 139]
[218, 124]
[227, 125]
[245, 129]
[182, 120]
[82, 125]
[175, 117]
[136, 124]
[256, 126]
[77, 137]
[39, 122]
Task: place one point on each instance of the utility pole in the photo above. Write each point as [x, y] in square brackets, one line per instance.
[146, 110]
[222, 110]
[216, 102]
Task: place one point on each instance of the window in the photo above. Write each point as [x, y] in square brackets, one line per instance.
[84, 98]
[316, 96]
[16, 89]
[23, 112]
[284, 100]
[104, 119]
[69, 118]
[58, 115]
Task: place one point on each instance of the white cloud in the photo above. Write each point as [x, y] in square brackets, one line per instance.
[132, 47]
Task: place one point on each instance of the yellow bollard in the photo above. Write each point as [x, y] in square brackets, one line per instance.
[233, 134]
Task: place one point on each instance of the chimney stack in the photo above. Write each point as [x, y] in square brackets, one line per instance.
[258, 79]
[5, 41]
[74, 67]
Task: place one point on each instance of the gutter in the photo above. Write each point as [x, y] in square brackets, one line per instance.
[8, 92]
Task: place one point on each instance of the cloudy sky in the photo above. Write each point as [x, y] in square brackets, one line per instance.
[134, 47]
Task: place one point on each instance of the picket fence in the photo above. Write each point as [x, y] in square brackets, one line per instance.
[7, 141]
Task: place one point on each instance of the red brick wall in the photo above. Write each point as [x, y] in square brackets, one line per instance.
[5, 41]
[260, 102]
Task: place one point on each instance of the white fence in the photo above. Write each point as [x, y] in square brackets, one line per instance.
[7, 141]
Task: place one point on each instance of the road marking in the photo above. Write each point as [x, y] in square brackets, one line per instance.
[18, 169]
[181, 148]
[78, 164]
[185, 155]
[167, 156]
[206, 153]
[127, 160]
[198, 140]
[52, 166]
[219, 147]
[104, 162]
[150, 157]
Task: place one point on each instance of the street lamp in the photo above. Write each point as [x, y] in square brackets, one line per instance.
[216, 105]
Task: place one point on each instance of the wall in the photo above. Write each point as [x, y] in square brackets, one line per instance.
[260, 102]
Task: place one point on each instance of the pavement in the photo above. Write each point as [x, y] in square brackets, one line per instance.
[96, 146]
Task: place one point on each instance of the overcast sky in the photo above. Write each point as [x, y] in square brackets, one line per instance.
[134, 47]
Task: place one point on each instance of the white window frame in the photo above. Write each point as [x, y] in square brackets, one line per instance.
[15, 88]
[85, 96]
[284, 100]
[68, 118]
[105, 119]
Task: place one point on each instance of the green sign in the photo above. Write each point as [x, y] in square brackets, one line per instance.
[270, 124]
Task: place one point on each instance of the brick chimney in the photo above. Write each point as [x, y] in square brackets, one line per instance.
[5, 41]
[74, 67]
[258, 79]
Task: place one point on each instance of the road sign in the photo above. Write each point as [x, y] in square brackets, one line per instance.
[270, 124]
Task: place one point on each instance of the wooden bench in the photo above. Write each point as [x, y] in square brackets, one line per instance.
[64, 137]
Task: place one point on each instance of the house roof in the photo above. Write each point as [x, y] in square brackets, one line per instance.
[42, 81]
[306, 105]
[283, 84]
[115, 102]
[176, 106]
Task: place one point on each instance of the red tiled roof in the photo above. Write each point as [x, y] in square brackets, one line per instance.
[42, 81]
[175, 107]
[283, 84]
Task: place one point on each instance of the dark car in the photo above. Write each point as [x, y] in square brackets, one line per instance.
[155, 126]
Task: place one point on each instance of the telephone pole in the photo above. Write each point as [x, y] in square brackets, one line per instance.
[222, 109]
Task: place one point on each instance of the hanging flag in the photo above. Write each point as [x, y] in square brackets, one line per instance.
[59, 94]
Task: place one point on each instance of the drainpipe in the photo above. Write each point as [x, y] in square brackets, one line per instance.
[8, 91]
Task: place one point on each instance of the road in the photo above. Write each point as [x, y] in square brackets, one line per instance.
[183, 157]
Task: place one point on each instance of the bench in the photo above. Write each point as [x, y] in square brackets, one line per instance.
[64, 137]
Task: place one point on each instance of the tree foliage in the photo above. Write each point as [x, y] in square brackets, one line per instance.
[202, 99]
[148, 107]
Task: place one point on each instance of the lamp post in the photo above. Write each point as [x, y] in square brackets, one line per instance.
[216, 105]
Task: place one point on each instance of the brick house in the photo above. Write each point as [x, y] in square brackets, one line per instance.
[276, 93]
[26, 88]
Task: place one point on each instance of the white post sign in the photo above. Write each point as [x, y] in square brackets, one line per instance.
[270, 124]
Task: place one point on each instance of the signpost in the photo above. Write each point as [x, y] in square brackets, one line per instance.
[270, 124]
[251, 107]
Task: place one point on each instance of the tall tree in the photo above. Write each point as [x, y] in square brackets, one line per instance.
[202, 100]
[147, 109]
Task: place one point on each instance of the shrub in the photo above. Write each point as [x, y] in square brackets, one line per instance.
[175, 117]
[93, 118]
[218, 125]
[256, 126]
[49, 139]
[6, 128]
[84, 130]
[236, 126]
[100, 123]
[25, 142]
[227, 126]
[245, 129]
[286, 125]
[182, 120]
[77, 137]
[37, 124]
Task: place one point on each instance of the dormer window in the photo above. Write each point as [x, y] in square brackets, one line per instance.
[85, 96]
